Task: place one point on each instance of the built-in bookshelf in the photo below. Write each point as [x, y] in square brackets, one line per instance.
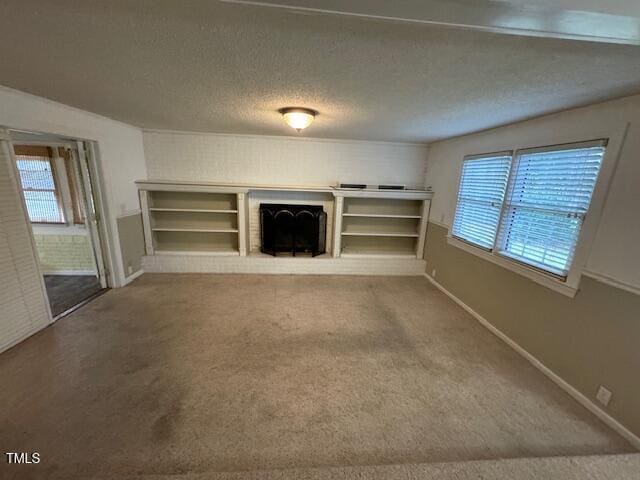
[382, 226]
[193, 222]
[207, 219]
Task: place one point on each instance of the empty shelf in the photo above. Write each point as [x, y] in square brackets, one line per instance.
[354, 246]
[193, 221]
[192, 200]
[200, 230]
[191, 210]
[348, 252]
[380, 234]
[379, 215]
[224, 252]
[383, 206]
[173, 241]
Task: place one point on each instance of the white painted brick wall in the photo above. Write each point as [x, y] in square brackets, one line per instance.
[265, 264]
[267, 160]
[281, 160]
[64, 253]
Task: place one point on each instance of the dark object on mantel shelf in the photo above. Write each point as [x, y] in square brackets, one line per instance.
[293, 229]
[363, 186]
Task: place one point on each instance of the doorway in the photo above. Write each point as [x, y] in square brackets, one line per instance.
[57, 185]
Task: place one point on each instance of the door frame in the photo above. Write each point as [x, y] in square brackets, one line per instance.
[92, 208]
[102, 230]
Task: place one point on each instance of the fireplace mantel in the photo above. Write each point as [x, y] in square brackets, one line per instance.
[217, 187]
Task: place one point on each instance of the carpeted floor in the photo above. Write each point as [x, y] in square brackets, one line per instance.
[201, 373]
[592, 467]
[66, 291]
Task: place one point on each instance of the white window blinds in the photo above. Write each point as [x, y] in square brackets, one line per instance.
[482, 187]
[548, 197]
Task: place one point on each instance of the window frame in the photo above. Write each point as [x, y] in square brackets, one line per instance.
[566, 285]
[38, 151]
[499, 244]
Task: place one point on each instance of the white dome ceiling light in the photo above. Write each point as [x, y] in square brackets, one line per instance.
[298, 117]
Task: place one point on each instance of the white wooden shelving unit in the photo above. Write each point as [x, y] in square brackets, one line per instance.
[187, 219]
[376, 223]
[184, 219]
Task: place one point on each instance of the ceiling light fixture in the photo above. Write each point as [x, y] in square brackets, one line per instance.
[298, 117]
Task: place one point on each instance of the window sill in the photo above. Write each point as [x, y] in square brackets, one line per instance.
[565, 288]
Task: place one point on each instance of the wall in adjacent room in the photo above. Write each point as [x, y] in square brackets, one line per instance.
[120, 150]
[591, 339]
[65, 253]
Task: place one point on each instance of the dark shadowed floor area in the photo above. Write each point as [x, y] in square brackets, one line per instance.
[66, 291]
[226, 373]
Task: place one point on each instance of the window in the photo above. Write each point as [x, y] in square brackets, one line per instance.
[539, 218]
[38, 181]
[548, 198]
[482, 187]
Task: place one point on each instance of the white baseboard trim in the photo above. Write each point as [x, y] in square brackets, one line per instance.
[70, 272]
[577, 395]
[133, 276]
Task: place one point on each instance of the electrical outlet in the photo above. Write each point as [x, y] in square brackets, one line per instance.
[603, 396]
[433, 273]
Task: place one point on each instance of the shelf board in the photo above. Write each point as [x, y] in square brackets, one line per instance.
[377, 255]
[198, 230]
[380, 215]
[373, 252]
[191, 210]
[380, 234]
[221, 252]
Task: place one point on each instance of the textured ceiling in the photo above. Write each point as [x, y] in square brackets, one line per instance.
[217, 67]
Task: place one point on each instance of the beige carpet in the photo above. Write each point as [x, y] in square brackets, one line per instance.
[601, 467]
[202, 373]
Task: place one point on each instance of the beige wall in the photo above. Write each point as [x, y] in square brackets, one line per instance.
[593, 338]
[614, 254]
[589, 340]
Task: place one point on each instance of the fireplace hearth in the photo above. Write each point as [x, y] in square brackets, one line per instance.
[292, 229]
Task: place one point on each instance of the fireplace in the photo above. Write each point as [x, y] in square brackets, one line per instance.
[292, 229]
